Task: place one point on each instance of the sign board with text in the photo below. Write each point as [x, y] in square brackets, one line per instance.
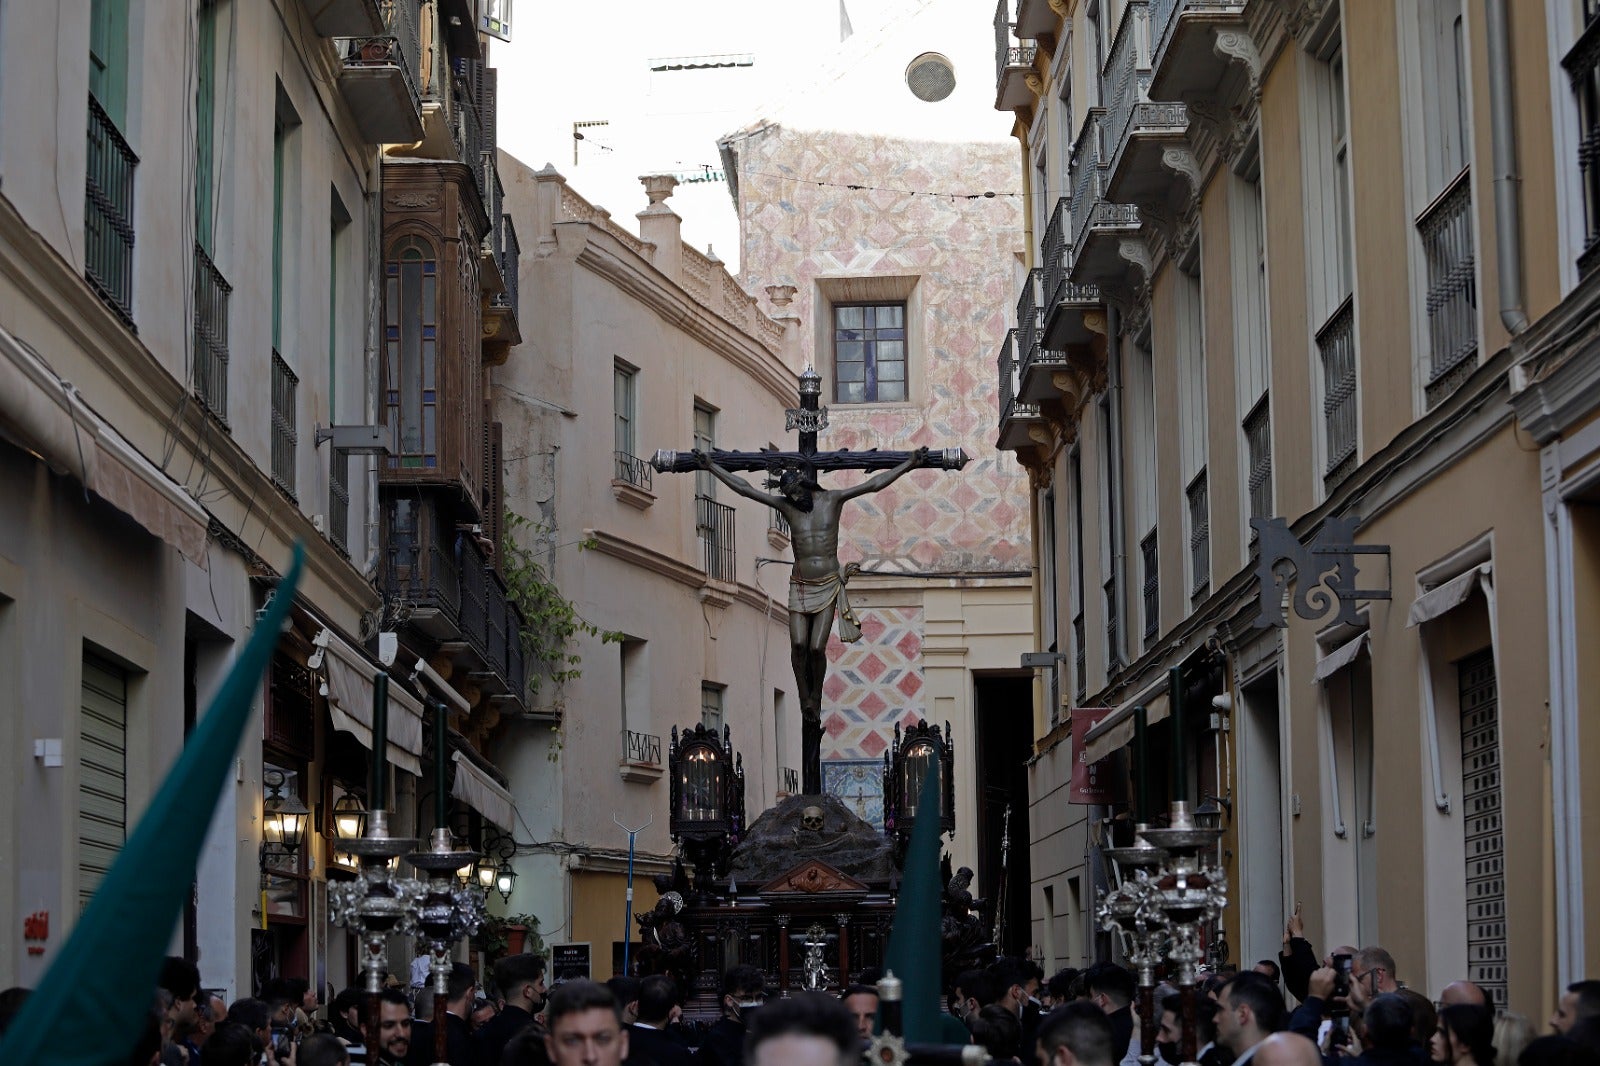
[1091, 781]
[570, 961]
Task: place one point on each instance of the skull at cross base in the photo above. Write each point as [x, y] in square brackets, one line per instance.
[811, 819]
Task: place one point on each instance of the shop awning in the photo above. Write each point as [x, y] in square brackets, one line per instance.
[47, 416]
[1115, 730]
[350, 691]
[1448, 596]
[483, 794]
[1341, 657]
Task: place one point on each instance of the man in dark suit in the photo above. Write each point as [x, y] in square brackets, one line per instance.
[521, 980]
[649, 1043]
[460, 991]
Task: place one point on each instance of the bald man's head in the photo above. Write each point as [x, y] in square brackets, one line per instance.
[1459, 992]
[1287, 1049]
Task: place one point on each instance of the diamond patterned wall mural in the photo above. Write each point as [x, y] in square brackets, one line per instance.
[872, 684]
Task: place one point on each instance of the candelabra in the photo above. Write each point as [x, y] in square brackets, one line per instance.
[378, 904]
[446, 912]
[1131, 909]
[1188, 892]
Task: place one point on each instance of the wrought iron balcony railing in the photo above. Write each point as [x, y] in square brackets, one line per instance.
[400, 44]
[1447, 248]
[777, 523]
[284, 434]
[1008, 367]
[1030, 320]
[1009, 52]
[467, 127]
[1113, 625]
[1128, 72]
[714, 524]
[108, 213]
[1080, 661]
[1056, 250]
[1198, 495]
[211, 292]
[339, 500]
[510, 260]
[1337, 344]
[642, 748]
[633, 470]
[1258, 450]
[418, 576]
[1151, 587]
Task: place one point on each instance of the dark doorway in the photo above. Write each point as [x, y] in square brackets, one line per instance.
[1004, 735]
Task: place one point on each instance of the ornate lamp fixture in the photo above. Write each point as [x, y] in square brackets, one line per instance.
[707, 799]
[905, 767]
[283, 821]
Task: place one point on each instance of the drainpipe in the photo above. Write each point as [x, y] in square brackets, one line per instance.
[1503, 139]
[1119, 556]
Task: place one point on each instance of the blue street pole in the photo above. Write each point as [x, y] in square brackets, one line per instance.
[627, 905]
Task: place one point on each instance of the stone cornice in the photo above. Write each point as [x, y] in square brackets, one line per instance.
[683, 573]
[1556, 374]
[636, 277]
[110, 366]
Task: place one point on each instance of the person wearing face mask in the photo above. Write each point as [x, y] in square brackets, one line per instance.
[521, 979]
[744, 988]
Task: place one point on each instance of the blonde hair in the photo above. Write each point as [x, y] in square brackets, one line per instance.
[1512, 1033]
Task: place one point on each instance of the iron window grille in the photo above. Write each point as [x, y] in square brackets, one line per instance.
[108, 213]
[1447, 248]
[284, 437]
[714, 524]
[1152, 587]
[1080, 662]
[777, 523]
[1113, 627]
[211, 292]
[1199, 535]
[1337, 343]
[1258, 444]
[339, 500]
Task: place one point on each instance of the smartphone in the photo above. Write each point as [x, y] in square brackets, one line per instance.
[1341, 985]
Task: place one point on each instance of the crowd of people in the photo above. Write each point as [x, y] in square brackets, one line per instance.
[1347, 1008]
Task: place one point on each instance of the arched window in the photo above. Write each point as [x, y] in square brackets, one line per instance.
[411, 338]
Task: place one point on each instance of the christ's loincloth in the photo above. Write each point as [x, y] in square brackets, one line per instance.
[822, 595]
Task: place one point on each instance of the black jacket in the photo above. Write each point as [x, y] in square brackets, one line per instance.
[655, 1047]
[491, 1040]
[1121, 1032]
[723, 1044]
[458, 1042]
[1298, 963]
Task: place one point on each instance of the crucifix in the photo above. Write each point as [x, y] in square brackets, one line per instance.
[817, 587]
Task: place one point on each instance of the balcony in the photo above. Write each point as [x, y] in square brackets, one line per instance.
[1013, 61]
[1035, 18]
[211, 293]
[1138, 130]
[641, 758]
[714, 527]
[1445, 227]
[346, 18]
[284, 436]
[450, 595]
[379, 81]
[1036, 364]
[1191, 43]
[108, 214]
[1065, 304]
[631, 480]
[1100, 225]
[1021, 423]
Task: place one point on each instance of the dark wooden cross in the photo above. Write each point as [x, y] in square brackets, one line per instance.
[809, 419]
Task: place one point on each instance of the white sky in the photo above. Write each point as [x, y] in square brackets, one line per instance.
[585, 62]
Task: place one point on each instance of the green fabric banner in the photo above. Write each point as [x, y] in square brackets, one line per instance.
[914, 942]
[90, 1008]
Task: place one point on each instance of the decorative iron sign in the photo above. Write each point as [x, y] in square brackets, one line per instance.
[1323, 571]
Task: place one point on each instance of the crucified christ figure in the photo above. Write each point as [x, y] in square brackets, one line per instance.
[817, 586]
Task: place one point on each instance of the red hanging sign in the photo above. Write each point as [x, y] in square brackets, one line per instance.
[1091, 781]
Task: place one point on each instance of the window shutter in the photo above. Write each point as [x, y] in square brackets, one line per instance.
[493, 484]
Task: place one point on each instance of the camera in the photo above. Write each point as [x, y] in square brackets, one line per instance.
[282, 1039]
